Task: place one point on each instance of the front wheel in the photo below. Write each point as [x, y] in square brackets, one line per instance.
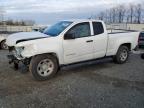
[122, 55]
[43, 67]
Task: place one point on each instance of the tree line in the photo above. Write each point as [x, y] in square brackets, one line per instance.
[132, 13]
[18, 22]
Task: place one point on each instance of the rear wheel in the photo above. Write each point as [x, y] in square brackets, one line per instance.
[122, 55]
[3, 45]
[43, 67]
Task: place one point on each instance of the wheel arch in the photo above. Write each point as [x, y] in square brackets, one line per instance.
[50, 53]
[55, 55]
[127, 45]
[36, 60]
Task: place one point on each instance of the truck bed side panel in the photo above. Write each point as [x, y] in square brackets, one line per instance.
[117, 39]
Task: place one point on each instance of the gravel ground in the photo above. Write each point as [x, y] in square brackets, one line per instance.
[98, 84]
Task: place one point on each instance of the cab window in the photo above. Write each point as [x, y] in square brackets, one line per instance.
[98, 28]
[80, 30]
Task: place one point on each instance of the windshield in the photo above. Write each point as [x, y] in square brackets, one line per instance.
[56, 29]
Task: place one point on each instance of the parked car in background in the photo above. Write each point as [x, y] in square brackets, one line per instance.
[35, 30]
[41, 29]
[141, 40]
[68, 42]
[3, 41]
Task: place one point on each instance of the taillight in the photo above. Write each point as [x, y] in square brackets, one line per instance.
[139, 38]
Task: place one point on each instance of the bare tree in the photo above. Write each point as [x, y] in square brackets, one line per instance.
[2, 12]
[138, 13]
[108, 16]
[131, 12]
[121, 13]
[113, 13]
[101, 16]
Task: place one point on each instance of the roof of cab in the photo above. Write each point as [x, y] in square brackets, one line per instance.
[82, 20]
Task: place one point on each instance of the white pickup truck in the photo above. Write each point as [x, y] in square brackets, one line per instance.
[68, 42]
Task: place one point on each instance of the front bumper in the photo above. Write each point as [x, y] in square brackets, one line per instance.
[16, 52]
[12, 59]
[16, 59]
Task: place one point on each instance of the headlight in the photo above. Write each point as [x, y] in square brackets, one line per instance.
[18, 51]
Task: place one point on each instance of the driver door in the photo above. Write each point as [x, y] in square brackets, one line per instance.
[81, 47]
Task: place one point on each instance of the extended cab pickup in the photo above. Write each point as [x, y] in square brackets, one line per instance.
[68, 42]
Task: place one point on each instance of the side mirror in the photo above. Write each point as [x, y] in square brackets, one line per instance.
[69, 36]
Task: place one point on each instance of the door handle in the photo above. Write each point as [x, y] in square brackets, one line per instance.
[89, 41]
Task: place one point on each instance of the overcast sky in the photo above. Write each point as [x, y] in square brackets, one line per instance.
[49, 11]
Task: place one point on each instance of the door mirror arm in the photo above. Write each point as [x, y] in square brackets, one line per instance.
[69, 36]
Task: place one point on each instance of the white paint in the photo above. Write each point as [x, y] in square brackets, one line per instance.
[12, 39]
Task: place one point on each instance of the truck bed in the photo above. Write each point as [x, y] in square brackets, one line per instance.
[115, 31]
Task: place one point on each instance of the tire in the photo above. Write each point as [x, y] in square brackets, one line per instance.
[3, 45]
[122, 55]
[142, 56]
[43, 67]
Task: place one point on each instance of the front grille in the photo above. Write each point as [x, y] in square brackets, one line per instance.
[16, 52]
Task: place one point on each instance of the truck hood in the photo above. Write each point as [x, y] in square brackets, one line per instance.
[13, 39]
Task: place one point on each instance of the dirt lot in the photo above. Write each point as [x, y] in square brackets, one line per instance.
[98, 84]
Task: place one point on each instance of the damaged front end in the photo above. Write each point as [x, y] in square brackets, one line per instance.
[16, 58]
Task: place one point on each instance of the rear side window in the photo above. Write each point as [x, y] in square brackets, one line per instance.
[98, 28]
